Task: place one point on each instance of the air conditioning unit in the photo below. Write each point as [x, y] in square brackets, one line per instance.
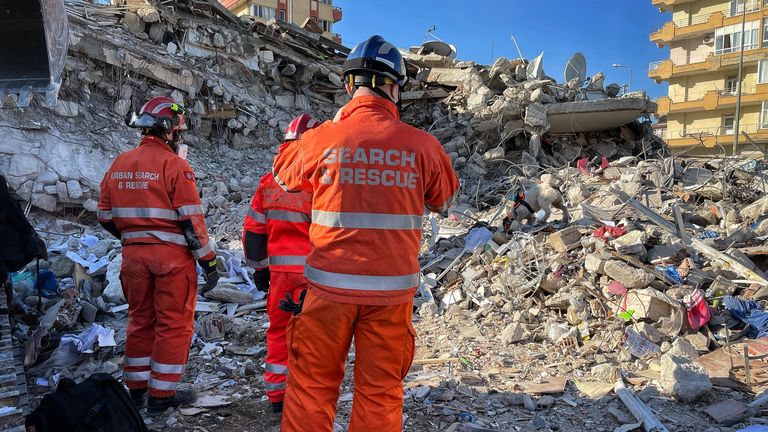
[709, 39]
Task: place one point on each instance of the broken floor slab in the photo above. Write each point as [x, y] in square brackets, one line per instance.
[596, 115]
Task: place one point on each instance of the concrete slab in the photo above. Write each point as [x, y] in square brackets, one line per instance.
[595, 115]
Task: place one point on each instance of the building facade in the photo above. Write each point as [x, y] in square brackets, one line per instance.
[705, 39]
[292, 11]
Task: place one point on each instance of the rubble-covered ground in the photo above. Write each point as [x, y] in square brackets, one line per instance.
[656, 280]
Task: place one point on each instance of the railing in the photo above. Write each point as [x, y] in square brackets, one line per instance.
[692, 20]
[751, 5]
[654, 66]
[678, 97]
[712, 131]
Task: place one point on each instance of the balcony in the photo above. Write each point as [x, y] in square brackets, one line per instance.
[713, 100]
[664, 70]
[337, 15]
[666, 4]
[694, 25]
[713, 137]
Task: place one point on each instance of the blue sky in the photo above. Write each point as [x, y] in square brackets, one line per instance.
[606, 31]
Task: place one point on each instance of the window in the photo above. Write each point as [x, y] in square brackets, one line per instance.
[281, 15]
[728, 39]
[765, 32]
[731, 84]
[764, 116]
[326, 25]
[265, 12]
[329, 2]
[762, 72]
[737, 6]
[728, 125]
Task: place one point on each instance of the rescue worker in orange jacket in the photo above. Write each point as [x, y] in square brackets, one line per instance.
[276, 244]
[149, 201]
[371, 176]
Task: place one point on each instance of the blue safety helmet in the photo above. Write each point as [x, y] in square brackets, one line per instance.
[374, 60]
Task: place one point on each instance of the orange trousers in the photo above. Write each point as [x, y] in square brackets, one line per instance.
[160, 284]
[276, 369]
[318, 343]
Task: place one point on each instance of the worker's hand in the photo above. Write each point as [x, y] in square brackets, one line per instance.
[210, 274]
[261, 279]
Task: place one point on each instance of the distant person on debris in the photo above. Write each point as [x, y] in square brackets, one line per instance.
[149, 200]
[371, 176]
[19, 243]
[276, 244]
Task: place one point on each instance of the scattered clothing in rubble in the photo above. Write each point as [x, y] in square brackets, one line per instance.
[749, 312]
[606, 232]
[698, 310]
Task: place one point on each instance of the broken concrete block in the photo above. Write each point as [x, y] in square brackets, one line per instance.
[61, 190]
[133, 22]
[23, 166]
[47, 177]
[632, 242]
[67, 109]
[630, 277]
[227, 293]
[594, 263]
[286, 101]
[514, 332]
[536, 116]
[61, 266]
[88, 311]
[649, 332]
[565, 240]
[683, 379]
[682, 348]
[91, 205]
[647, 304]
[74, 190]
[44, 202]
[122, 107]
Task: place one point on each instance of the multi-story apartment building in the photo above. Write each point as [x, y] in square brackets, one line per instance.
[705, 39]
[292, 11]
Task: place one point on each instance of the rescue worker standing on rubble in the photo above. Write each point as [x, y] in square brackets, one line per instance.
[276, 244]
[371, 176]
[149, 201]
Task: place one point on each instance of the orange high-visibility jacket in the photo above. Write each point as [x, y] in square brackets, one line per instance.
[276, 229]
[371, 177]
[149, 193]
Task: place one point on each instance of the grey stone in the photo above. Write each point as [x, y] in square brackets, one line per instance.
[630, 277]
[546, 401]
[171, 48]
[67, 109]
[24, 165]
[88, 312]
[536, 116]
[61, 266]
[460, 162]
[74, 190]
[649, 332]
[514, 332]
[229, 294]
[91, 205]
[122, 107]
[48, 177]
[683, 379]
[605, 372]
[682, 348]
[286, 101]
[528, 403]
[61, 190]
[594, 263]
[133, 22]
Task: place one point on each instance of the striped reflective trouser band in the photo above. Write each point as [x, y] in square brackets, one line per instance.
[361, 282]
[287, 216]
[169, 238]
[298, 260]
[258, 265]
[270, 386]
[151, 212]
[162, 384]
[276, 368]
[137, 363]
[167, 368]
[383, 221]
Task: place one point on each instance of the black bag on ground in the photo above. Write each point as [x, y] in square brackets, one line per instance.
[98, 404]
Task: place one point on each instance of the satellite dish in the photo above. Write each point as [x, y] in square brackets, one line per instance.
[576, 68]
[440, 48]
[535, 68]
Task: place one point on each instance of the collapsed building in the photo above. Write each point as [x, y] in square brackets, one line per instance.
[529, 328]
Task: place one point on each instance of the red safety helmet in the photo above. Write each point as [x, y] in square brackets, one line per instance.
[161, 114]
[299, 125]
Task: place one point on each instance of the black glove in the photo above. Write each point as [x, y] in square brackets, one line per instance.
[210, 274]
[290, 306]
[261, 279]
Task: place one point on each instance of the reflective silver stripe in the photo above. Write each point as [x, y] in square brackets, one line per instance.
[287, 260]
[258, 217]
[137, 361]
[144, 212]
[287, 215]
[162, 385]
[137, 376]
[366, 220]
[190, 210]
[104, 214]
[258, 264]
[361, 282]
[167, 368]
[160, 235]
[203, 251]
[274, 386]
[276, 368]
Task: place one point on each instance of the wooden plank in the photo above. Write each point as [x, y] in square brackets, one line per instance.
[551, 385]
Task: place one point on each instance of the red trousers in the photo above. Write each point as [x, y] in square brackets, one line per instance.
[160, 284]
[318, 343]
[280, 284]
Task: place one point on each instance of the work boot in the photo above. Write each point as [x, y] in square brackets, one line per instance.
[157, 405]
[139, 398]
[277, 407]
